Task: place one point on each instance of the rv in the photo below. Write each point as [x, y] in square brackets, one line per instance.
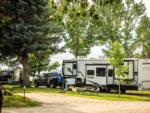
[101, 72]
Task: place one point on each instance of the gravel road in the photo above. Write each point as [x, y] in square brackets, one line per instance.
[56, 103]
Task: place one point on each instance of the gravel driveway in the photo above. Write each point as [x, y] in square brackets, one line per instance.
[55, 103]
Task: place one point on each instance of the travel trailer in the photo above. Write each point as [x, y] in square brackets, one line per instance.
[101, 72]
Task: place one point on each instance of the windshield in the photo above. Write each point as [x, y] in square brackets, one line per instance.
[54, 74]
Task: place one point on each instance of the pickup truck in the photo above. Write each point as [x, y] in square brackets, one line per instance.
[51, 80]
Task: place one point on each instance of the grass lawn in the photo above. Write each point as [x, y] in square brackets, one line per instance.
[130, 96]
[18, 101]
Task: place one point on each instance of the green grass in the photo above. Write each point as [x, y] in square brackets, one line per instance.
[18, 89]
[18, 101]
[139, 92]
[112, 97]
[130, 96]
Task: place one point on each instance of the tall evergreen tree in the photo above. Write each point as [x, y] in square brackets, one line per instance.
[31, 29]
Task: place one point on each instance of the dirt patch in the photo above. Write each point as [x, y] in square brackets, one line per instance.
[56, 103]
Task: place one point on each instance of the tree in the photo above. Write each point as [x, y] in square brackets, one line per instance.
[31, 29]
[131, 14]
[75, 18]
[3, 18]
[41, 62]
[143, 37]
[116, 20]
[117, 56]
[105, 15]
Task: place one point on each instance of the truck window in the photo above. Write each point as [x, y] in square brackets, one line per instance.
[100, 72]
[90, 72]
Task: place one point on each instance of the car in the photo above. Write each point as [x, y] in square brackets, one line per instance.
[52, 79]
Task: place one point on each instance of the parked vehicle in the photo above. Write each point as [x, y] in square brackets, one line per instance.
[52, 80]
[101, 73]
[10, 76]
[6, 76]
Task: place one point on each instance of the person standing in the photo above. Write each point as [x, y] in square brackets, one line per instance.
[1, 98]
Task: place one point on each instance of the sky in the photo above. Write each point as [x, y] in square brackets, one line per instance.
[96, 51]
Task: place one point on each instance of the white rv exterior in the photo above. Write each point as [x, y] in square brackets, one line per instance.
[89, 71]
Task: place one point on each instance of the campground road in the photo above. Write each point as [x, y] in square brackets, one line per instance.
[56, 103]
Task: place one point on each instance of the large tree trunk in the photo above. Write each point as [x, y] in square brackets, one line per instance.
[25, 64]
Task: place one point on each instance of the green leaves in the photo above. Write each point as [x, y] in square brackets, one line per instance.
[30, 28]
[117, 55]
[75, 18]
[116, 20]
[143, 37]
[41, 62]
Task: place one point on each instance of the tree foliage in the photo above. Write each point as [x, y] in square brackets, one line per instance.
[117, 21]
[132, 13]
[143, 34]
[75, 18]
[41, 62]
[103, 21]
[117, 56]
[31, 29]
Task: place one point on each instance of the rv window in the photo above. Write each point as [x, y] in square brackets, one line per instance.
[100, 72]
[74, 66]
[90, 72]
[111, 72]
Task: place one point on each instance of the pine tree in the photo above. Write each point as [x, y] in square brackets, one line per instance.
[31, 30]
